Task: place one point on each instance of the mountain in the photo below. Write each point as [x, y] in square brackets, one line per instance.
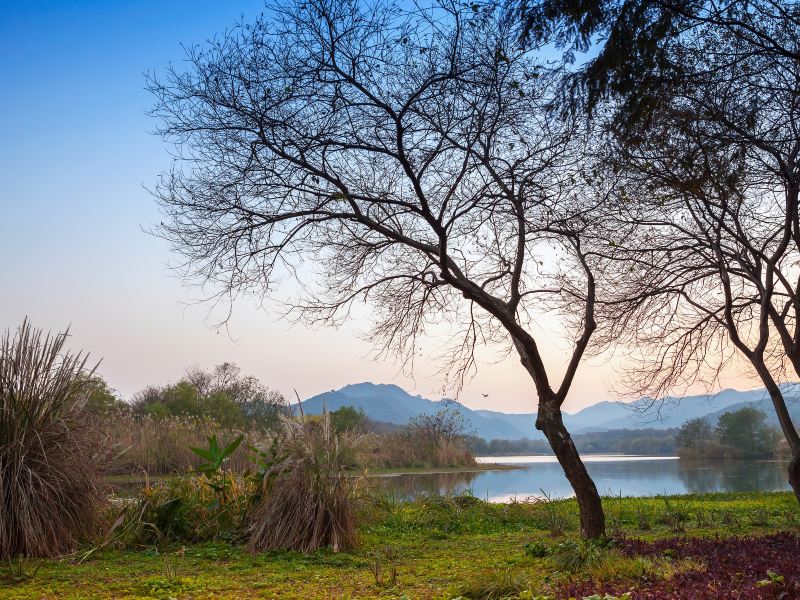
[392, 404]
[595, 414]
[523, 423]
[674, 412]
[380, 402]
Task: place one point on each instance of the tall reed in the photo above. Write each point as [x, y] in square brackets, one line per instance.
[49, 451]
[308, 497]
[161, 445]
[403, 449]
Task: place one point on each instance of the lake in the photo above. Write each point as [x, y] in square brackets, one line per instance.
[539, 476]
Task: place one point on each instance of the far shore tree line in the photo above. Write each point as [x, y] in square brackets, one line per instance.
[224, 399]
[743, 433]
[153, 433]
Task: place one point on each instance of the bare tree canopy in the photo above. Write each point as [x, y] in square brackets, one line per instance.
[707, 189]
[404, 159]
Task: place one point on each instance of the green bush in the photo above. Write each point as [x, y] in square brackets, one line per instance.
[574, 555]
[185, 509]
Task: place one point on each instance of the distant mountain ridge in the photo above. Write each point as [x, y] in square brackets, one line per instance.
[392, 404]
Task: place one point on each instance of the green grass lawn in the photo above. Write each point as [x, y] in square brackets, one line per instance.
[440, 548]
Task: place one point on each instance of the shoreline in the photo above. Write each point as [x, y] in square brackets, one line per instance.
[380, 472]
[477, 468]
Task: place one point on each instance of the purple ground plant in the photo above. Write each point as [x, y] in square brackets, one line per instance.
[764, 567]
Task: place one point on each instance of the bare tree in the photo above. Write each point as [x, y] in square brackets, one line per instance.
[708, 197]
[404, 159]
[446, 426]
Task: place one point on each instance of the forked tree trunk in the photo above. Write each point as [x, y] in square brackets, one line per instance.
[550, 422]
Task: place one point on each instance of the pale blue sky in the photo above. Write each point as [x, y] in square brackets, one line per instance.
[75, 153]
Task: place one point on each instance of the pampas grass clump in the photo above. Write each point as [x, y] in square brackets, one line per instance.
[49, 474]
[307, 501]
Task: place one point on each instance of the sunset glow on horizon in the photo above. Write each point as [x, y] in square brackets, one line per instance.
[76, 159]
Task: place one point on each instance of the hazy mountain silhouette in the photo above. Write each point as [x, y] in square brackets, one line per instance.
[392, 404]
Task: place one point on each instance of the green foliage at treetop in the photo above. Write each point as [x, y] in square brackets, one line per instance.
[223, 394]
[743, 433]
[347, 418]
[746, 429]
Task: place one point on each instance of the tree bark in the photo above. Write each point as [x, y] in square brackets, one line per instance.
[550, 422]
[787, 426]
[794, 474]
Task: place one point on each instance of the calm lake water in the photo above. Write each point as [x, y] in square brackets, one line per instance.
[614, 475]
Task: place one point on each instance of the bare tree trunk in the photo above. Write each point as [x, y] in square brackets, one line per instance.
[787, 426]
[549, 422]
[794, 473]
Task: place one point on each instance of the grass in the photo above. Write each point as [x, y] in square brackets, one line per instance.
[49, 453]
[440, 548]
[308, 499]
[159, 446]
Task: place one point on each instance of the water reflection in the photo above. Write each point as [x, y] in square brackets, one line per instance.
[415, 485]
[613, 475]
[732, 476]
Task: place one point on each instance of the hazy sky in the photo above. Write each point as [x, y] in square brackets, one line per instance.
[75, 155]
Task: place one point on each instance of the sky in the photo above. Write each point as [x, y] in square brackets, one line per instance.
[76, 157]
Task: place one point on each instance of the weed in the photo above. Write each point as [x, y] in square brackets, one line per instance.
[673, 516]
[20, 569]
[759, 517]
[537, 549]
[702, 518]
[554, 520]
[726, 518]
[614, 519]
[772, 579]
[498, 585]
[385, 559]
[572, 556]
[217, 478]
[644, 520]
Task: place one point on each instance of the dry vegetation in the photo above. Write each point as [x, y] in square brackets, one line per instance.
[307, 493]
[403, 449]
[162, 445]
[50, 455]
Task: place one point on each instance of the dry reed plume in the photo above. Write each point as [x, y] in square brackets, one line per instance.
[307, 501]
[49, 461]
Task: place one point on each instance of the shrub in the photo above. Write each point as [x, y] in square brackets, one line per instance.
[573, 555]
[49, 453]
[185, 509]
[307, 495]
